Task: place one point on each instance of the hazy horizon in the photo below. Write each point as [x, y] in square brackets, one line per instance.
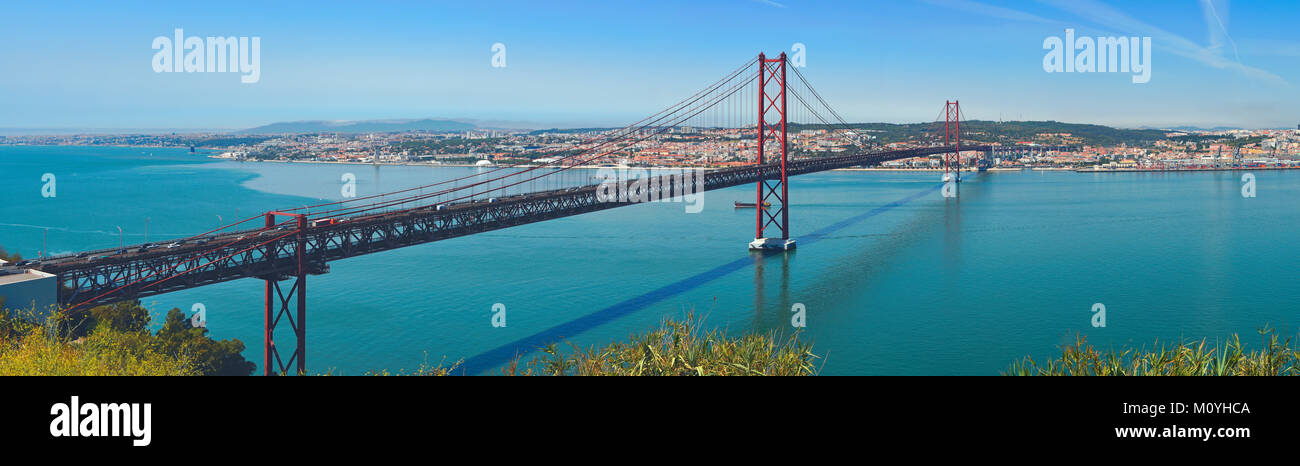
[597, 64]
[36, 132]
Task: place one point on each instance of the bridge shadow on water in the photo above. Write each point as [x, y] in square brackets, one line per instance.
[851, 273]
[505, 353]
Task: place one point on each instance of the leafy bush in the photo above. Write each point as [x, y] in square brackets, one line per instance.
[46, 348]
[113, 339]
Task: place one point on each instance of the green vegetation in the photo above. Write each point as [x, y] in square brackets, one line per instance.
[1198, 138]
[46, 348]
[1246, 141]
[4, 256]
[676, 348]
[425, 370]
[1277, 357]
[1009, 132]
[444, 146]
[113, 340]
[228, 141]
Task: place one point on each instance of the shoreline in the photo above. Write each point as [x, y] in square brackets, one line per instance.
[1169, 170]
[461, 165]
[219, 155]
[595, 167]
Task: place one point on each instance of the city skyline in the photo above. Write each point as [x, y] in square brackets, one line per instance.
[591, 64]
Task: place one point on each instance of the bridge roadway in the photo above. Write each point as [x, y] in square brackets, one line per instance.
[91, 278]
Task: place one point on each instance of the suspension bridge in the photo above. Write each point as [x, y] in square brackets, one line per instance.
[751, 108]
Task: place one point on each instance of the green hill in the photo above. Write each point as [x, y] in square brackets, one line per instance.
[369, 126]
[1011, 132]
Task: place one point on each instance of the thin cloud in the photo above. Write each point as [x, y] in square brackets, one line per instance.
[1268, 47]
[1215, 13]
[1103, 14]
[1218, 26]
[770, 3]
[990, 10]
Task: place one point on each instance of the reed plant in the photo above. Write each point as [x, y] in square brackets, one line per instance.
[1276, 356]
[677, 348]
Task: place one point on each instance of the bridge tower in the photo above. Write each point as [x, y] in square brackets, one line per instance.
[279, 304]
[952, 137]
[772, 103]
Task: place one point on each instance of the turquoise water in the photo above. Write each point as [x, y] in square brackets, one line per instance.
[927, 286]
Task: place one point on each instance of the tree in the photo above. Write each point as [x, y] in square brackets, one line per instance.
[126, 325]
[4, 256]
[122, 316]
[179, 338]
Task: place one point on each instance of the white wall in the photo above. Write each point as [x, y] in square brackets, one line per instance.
[40, 292]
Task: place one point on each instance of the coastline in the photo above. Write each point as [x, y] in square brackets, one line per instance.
[1168, 170]
[594, 167]
[220, 155]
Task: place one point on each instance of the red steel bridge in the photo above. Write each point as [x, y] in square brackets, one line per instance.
[754, 106]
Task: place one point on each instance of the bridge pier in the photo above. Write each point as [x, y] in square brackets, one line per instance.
[277, 305]
[952, 136]
[776, 194]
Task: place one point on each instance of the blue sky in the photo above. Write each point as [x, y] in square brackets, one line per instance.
[572, 63]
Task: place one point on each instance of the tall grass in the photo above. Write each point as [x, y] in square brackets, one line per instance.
[425, 369]
[677, 348]
[1191, 357]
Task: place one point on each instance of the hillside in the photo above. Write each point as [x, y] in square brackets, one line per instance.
[1010, 132]
[367, 126]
